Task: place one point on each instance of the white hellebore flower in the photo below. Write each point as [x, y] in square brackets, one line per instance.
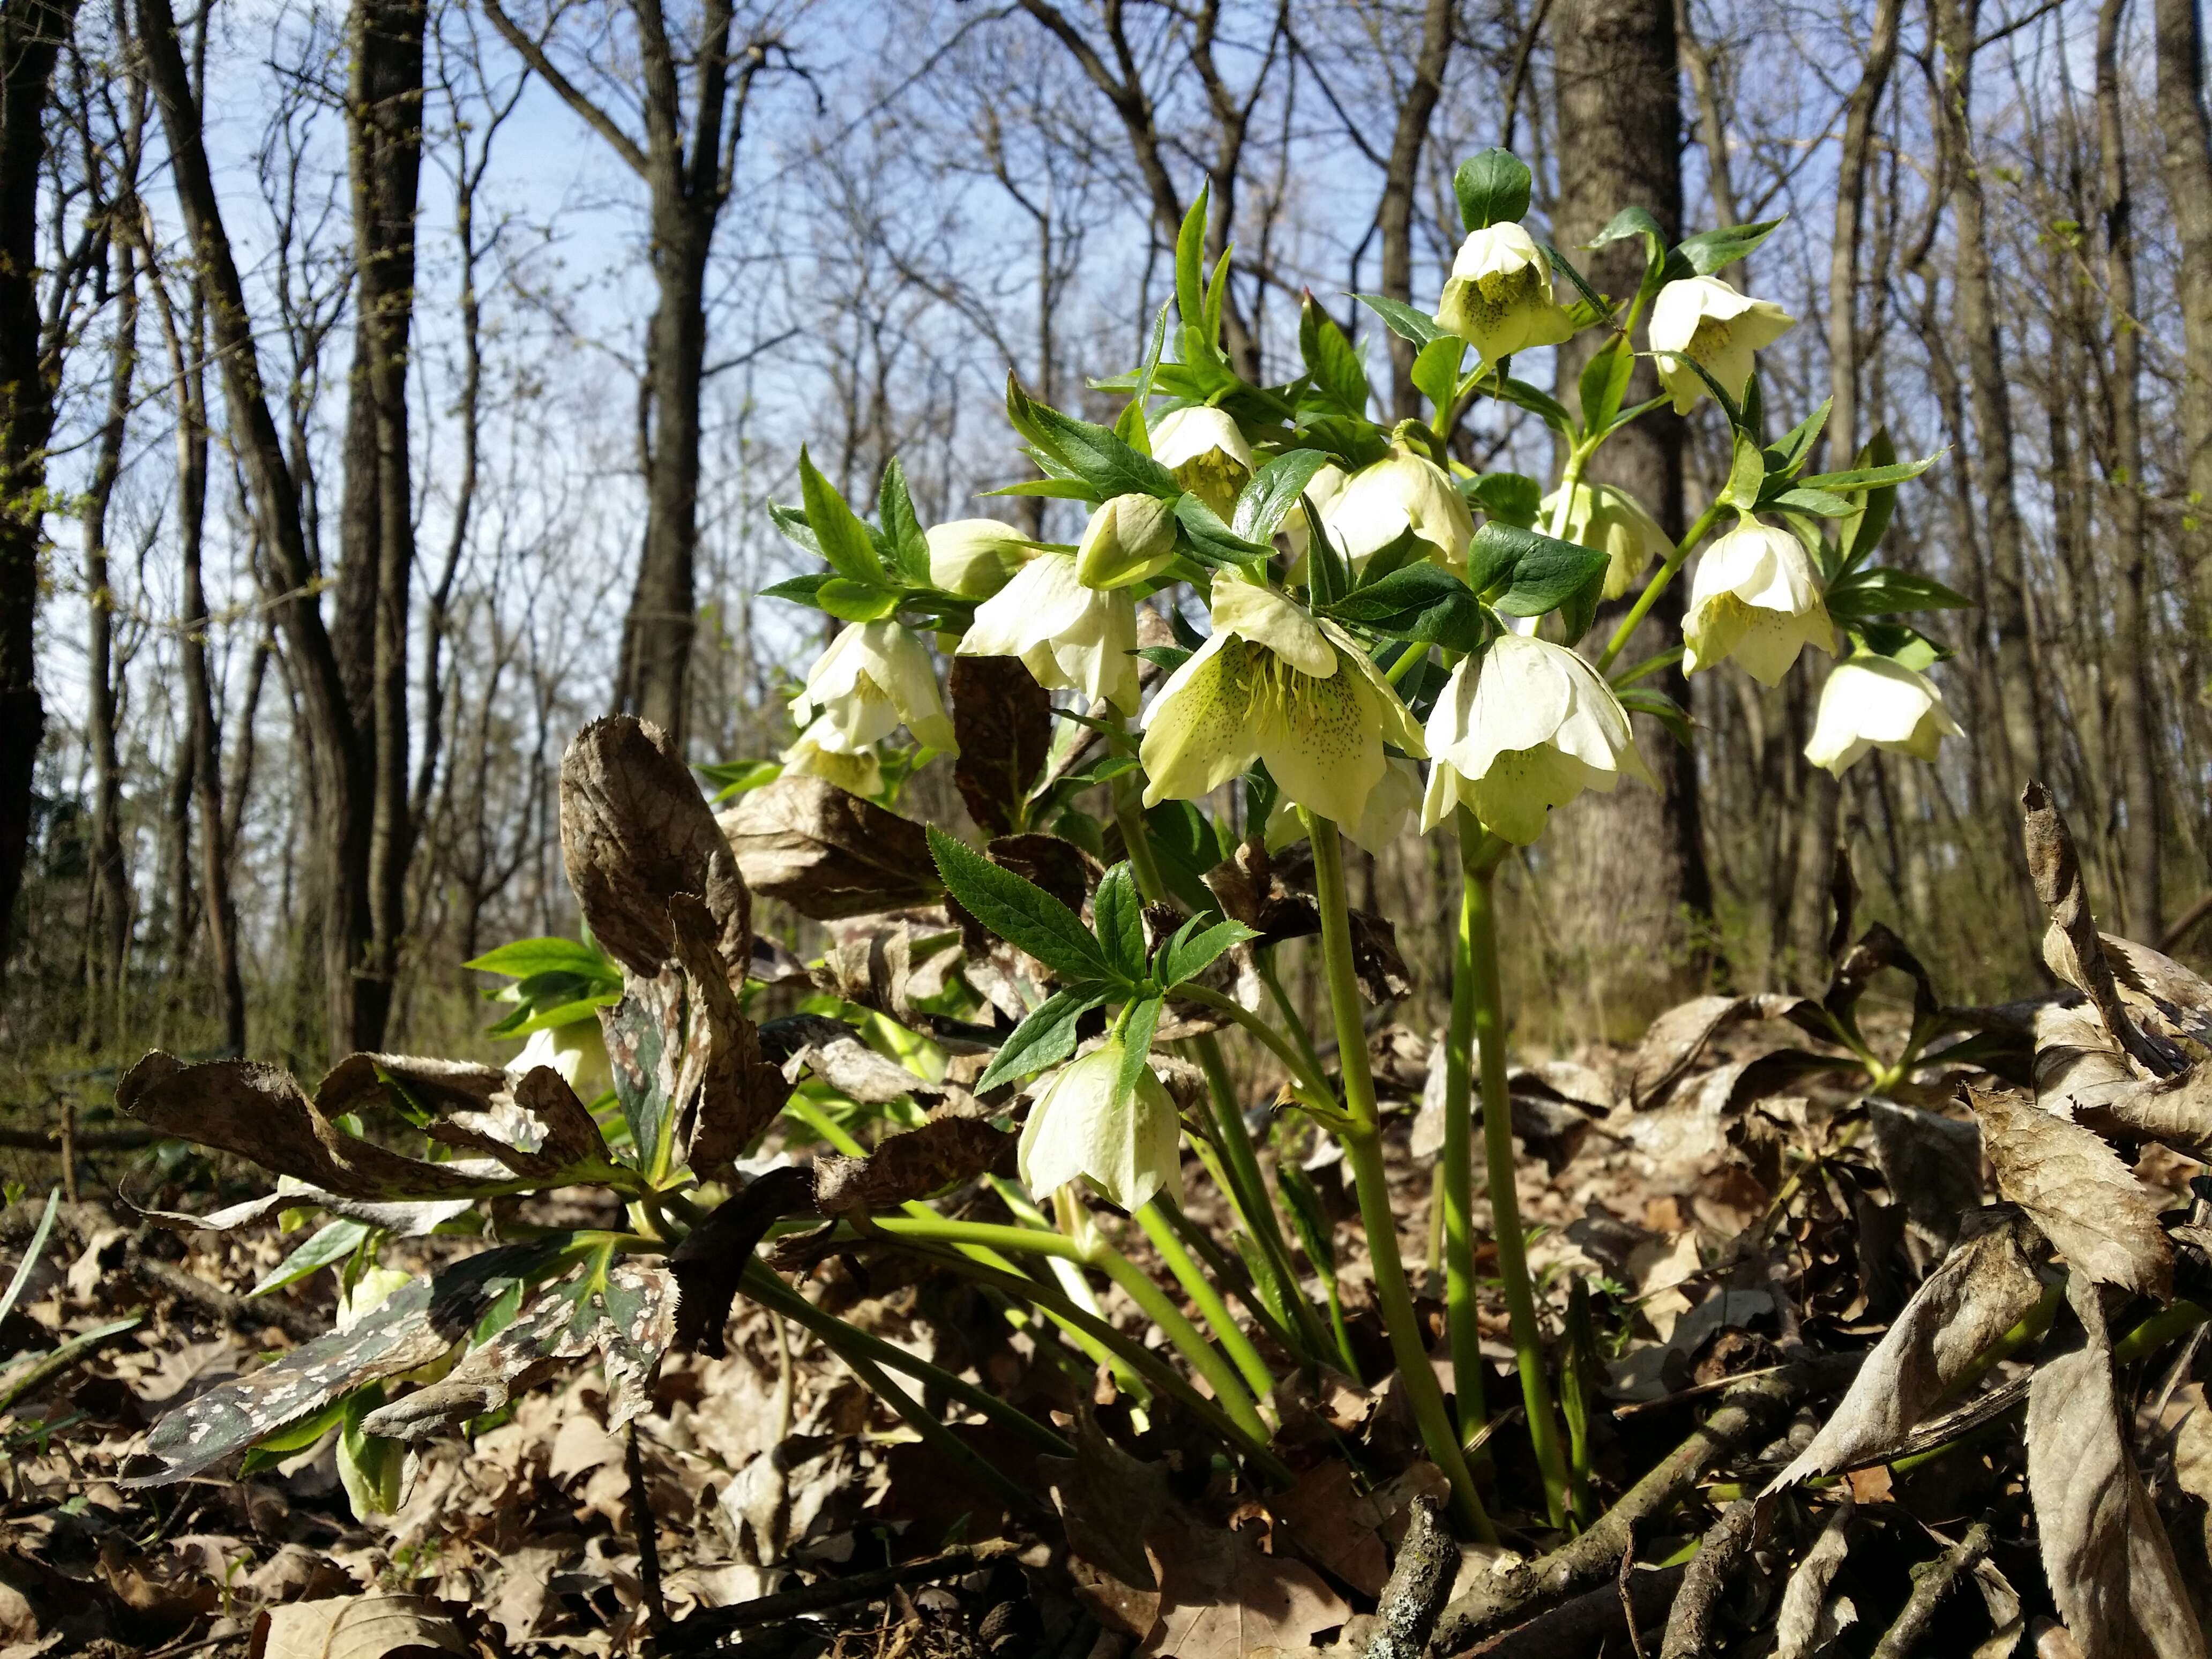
[1872, 702]
[1609, 520]
[1083, 1123]
[1207, 453]
[577, 1050]
[974, 557]
[1756, 596]
[1402, 491]
[1525, 726]
[1130, 539]
[874, 676]
[859, 772]
[1274, 683]
[1390, 812]
[1722, 331]
[1498, 296]
[1069, 636]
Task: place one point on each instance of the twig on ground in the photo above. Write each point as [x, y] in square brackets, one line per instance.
[1586, 1626]
[1690, 1622]
[704, 1630]
[648, 1528]
[1420, 1579]
[1931, 1581]
[1745, 1412]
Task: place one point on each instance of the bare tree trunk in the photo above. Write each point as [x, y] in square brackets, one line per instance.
[1634, 860]
[1975, 309]
[2186, 160]
[2135, 741]
[1395, 219]
[31, 39]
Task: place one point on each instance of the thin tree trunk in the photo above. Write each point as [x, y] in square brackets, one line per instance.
[31, 37]
[1617, 75]
[2185, 160]
[1394, 218]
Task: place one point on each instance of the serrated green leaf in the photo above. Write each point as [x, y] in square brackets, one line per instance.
[1190, 262]
[1820, 503]
[1747, 473]
[1045, 1038]
[855, 602]
[1059, 489]
[842, 538]
[1273, 492]
[1332, 361]
[1713, 250]
[1880, 591]
[1088, 451]
[1435, 371]
[1018, 911]
[332, 1243]
[799, 590]
[1547, 572]
[1117, 916]
[1185, 845]
[524, 956]
[1169, 657]
[1637, 221]
[1192, 949]
[902, 529]
[1421, 602]
[1508, 497]
[1141, 1020]
[1869, 477]
[1643, 700]
[1212, 541]
[1605, 381]
[1492, 188]
[1402, 319]
[1789, 455]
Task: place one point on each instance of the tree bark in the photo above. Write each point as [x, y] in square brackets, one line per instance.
[31, 39]
[2185, 160]
[1633, 861]
[1394, 218]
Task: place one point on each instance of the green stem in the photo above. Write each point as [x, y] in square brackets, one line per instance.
[1569, 476]
[1263, 958]
[1207, 1300]
[1363, 1146]
[1188, 1341]
[1456, 1167]
[1310, 1086]
[1655, 587]
[1256, 1206]
[764, 1287]
[1238, 1275]
[1481, 873]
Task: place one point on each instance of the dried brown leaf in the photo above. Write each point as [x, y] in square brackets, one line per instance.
[1003, 718]
[834, 1052]
[2074, 1187]
[909, 1165]
[1933, 1164]
[372, 1626]
[1982, 1289]
[2165, 998]
[2109, 1565]
[1807, 1619]
[828, 853]
[737, 1093]
[634, 832]
[710, 1262]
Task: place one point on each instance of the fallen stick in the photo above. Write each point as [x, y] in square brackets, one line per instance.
[1587, 1625]
[704, 1630]
[1720, 1552]
[1931, 1582]
[1745, 1412]
[1420, 1579]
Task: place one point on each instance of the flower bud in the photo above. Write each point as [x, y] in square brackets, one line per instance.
[577, 1050]
[1756, 596]
[1498, 297]
[1207, 453]
[974, 557]
[1129, 539]
[1873, 703]
[857, 773]
[1704, 320]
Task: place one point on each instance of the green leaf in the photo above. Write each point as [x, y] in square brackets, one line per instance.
[1308, 1219]
[733, 778]
[1789, 454]
[1508, 497]
[856, 602]
[842, 539]
[1436, 370]
[1605, 381]
[1637, 221]
[1901, 642]
[1273, 492]
[1140, 393]
[1194, 948]
[1857, 537]
[1169, 657]
[1403, 320]
[1045, 1038]
[1185, 847]
[1712, 251]
[331, 1244]
[1212, 541]
[1329, 576]
[1880, 591]
[1061, 490]
[1747, 473]
[1869, 477]
[1089, 451]
[1536, 402]
[1421, 603]
[902, 529]
[1492, 188]
[801, 590]
[1643, 700]
[1140, 1020]
[1332, 361]
[1600, 309]
[1117, 915]
[1020, 912]
[792, 522]
[1546, 571]
[526, 956]
[1190, 263]
[1820, 503]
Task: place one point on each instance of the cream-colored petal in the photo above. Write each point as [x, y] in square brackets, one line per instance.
[1199, 732]
[1443, 795]
[1188, 435]
[1043, 599]
[1323, 744]
[1513, 798]
[1392, 806]
[1399, 730]
[1259, 613]
[1522, 694]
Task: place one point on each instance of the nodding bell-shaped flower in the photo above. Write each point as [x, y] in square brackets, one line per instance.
[1756, 596]
[1873, 703]
[1274, 683]
[1083, 1124]
[873, 677]
[1207, 453]
[1401, 492]
[1609, 520]
[974, 557]
[577, 1050]
[1498, 296]
[1704, 319]
[1071, 638]
[1391, 810]
[1130, 539]
[1523, 727]
[857, 773]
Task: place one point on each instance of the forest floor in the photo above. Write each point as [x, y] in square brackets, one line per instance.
[1739, 1211]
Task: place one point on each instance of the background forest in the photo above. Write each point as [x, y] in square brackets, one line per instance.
[393, 388]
